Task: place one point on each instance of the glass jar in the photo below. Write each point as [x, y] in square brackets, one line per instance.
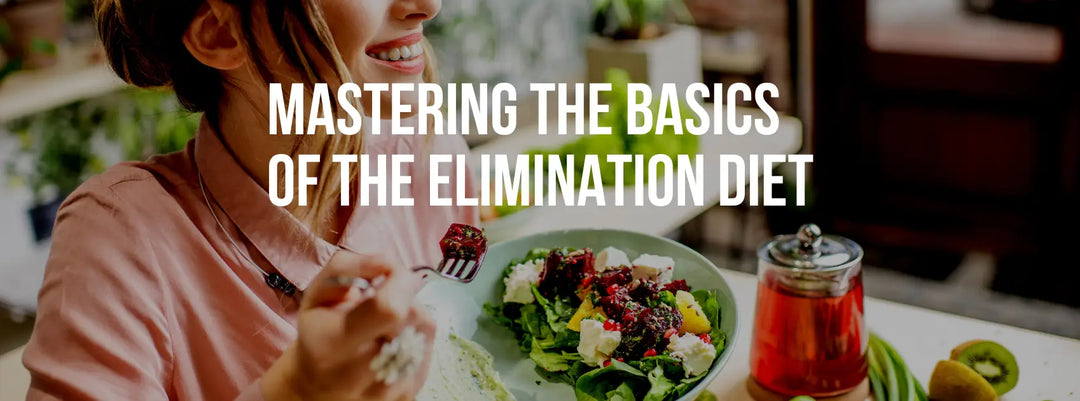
[809, 336]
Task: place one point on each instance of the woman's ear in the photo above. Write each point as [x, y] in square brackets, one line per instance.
[215, 36]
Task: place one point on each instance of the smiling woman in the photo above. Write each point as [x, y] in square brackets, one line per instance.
[178, 279]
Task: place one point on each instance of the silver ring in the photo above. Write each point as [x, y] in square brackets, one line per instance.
[400, 358]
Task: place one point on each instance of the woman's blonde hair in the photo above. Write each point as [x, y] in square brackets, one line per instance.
[143, 43]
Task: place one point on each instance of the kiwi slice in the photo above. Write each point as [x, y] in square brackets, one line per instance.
[990, 360]
[954, 381]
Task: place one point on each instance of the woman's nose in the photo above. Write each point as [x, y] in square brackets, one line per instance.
[416, 10]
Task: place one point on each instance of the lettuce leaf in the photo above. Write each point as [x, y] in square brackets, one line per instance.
[552, 361]
[659, 385]
[622, 393]
[596, 384]
[707, 300]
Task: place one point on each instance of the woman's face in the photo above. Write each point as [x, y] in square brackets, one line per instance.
[379, 40]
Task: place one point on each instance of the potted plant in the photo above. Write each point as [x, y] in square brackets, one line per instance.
[643, 38]
[146, 122]
[54, 156]
[34, 27]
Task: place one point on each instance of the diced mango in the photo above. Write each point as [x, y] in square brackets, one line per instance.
[585, 310]
[694, 320]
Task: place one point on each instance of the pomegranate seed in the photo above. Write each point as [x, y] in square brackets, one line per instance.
[612, 288]
[650, 352]
[619, 359]
[670, 332]
[607, 363]
[611, 325]
[588, 280]
[705, 338]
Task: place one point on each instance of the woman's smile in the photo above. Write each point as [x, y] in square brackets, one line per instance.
[404, 54]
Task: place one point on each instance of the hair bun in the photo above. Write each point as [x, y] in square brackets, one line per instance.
[129, 44]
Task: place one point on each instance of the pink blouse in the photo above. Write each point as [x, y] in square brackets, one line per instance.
[145, 298]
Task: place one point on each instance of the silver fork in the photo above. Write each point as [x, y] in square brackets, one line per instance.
[462, 270]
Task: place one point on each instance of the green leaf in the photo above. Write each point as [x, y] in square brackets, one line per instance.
[42, 46]
[5, 32]
[552, 361]
[554, 319]
[596, 384]
[659, 385]
[622, 393]
[686, 384]
[707, 300]
[672, 367]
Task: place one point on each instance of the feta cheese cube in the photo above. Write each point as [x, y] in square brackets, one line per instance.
[596, 343]
[696, 355]
[655, 268]
[520, 281]
[610, 258]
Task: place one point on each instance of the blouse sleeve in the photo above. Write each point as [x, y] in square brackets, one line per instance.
[101, 331]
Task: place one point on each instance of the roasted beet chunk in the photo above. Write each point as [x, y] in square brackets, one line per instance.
[646, 332]
[644, 290]
[676, 286]
[564, 270]
[463, 241]
[615, 301]
[619, 276]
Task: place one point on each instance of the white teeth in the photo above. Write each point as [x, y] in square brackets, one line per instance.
[400, 53]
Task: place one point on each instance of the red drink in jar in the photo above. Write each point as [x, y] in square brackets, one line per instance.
[809, 333]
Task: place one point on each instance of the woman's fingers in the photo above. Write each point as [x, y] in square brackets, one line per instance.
[388, 308]
[328, 288]
[426, 325]
[407, 387]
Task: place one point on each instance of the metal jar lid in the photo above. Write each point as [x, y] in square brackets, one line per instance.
[811, 260]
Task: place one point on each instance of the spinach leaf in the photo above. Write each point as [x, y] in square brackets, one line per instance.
[555, 321]
[622, 393]
[659, 385]
[671, 366]
[596, 384]
[499, 315]
[685, 385]
[552, 361]
[707, 300]
[531, 322]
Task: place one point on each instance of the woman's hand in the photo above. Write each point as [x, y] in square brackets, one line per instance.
[342, 330]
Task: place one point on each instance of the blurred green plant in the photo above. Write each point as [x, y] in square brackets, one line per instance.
[56, 148]
[146, 122]
[9, 66]
[55, 151]
[635, 19]
[78, 10]
[14, 64]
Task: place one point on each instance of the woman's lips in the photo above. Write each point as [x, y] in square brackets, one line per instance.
[404, 54]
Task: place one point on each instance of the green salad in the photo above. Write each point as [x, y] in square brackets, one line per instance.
[612, 328]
